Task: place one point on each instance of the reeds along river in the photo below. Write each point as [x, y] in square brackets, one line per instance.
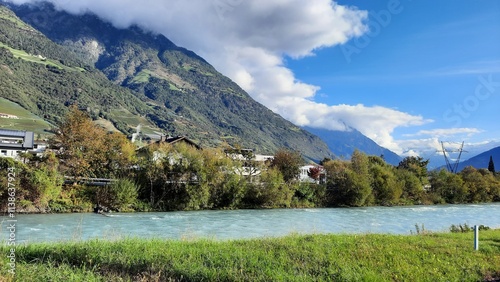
[237, 224]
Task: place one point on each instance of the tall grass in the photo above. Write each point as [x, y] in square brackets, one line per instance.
[429, 257]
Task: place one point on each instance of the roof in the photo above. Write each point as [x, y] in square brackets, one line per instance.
[27, 136]
[12, 133]
[173, 140]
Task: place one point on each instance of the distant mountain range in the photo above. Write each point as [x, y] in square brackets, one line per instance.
[343, 144]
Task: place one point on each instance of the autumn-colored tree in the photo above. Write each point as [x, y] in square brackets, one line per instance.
[120, 155]
[288, 163]
[80, 144]
[314, 172]
[87, 150]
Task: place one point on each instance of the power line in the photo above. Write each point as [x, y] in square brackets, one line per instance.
[452, 166]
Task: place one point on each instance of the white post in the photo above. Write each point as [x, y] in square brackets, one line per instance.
[476, 237]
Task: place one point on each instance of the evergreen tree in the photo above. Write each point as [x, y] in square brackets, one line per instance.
[491, 165]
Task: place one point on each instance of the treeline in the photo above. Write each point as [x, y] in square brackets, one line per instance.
[165, 177]
[368, 180]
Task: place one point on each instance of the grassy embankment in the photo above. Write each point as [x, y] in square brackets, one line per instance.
[429, 257]
[26, 121]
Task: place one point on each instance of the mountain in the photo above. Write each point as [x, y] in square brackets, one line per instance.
[44, 78]
[343, 144]
[130, 77]
[481, 161]
[437, 161]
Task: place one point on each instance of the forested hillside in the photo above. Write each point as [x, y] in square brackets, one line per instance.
[45, 78]
[130, 76]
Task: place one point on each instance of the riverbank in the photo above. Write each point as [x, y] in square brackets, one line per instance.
[369, 257]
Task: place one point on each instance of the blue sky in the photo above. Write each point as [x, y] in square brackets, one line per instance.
[406, 73]
[428, 59]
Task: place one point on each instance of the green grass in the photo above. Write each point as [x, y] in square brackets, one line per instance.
[27, 120]
[173, 87]
[133, 120]
[6, 14]
[430, 257]
[35, 59]
[144, 75]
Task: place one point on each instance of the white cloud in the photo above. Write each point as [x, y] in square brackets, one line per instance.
[247, 41]
[446, 132]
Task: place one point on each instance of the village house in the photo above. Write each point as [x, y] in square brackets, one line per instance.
[2, 115]
[13, 143]
[250, 161]
[169, 140]
[306, 170]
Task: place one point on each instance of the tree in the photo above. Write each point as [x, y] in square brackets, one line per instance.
[270, 192]
[120, 155]
[87, 150]
[348, 183]
[448, 187]
[413, 190]
[324, 161]
[360, 189]
[491, 165]
[81, 144]
[416, 165]
[288, 163]
[314, 172]
[45, 182]
[478, 184]
[386, 187]
[120, 195]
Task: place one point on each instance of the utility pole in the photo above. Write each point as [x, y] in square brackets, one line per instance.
[452, 167]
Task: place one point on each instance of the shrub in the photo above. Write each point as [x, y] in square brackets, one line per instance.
[120, 195]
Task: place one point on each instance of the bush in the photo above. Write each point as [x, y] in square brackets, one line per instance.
[119, 196]
[466, 228]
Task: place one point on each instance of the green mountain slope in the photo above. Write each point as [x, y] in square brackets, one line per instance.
[185, 95]
[44, 78]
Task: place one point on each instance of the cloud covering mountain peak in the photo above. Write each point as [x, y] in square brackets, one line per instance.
[248, 42]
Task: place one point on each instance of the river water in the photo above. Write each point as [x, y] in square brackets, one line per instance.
[235, 224]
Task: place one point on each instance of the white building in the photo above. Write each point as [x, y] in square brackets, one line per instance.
[304, 174]
[13, 143]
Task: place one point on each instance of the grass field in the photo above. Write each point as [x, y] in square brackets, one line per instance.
[144, 75]
[27, 120]
[36, 59]
[4, 14]
[368, 257]
[133, 121]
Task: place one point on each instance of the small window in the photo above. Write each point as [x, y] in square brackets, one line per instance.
[3, 152]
